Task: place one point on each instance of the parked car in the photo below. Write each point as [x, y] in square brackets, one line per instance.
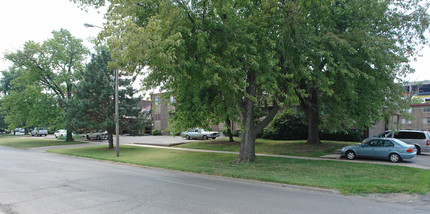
[19, 131]
[420, 139]
[96, 135]
[61, 133]
[380, 148]
[197, 133]
[39, 132]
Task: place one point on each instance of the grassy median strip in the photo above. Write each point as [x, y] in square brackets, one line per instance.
[29, 142]
[348, 178]
[274, 147]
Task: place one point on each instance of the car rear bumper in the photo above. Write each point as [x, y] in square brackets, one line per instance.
[408, 155]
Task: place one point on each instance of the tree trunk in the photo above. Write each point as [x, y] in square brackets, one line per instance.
[247, 146]
[110, 140]
[313, 125]
[310, 106]
[230, 135]
[69, 136]
[247, 143]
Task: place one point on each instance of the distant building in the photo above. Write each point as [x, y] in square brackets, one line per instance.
[419, 118]
[419, 113]
[163, 109]
[417, 88]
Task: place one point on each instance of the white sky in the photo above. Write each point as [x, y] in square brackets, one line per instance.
[23, 20]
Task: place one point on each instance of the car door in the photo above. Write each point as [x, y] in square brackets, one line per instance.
[367, 149]
[194, 133]
[383, 148]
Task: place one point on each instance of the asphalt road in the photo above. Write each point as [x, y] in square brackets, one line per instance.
[37, 182]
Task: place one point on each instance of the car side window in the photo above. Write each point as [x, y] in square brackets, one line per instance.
[374, 143]
[387, 144]
[370, 143]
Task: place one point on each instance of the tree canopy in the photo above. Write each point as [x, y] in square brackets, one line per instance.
[254, 57]
[94, 102]
[52, 66]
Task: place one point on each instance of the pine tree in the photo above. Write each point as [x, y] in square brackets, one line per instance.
[94, 104]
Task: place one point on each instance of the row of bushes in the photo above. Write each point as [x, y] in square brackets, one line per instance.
[234, 133]
[291, 125]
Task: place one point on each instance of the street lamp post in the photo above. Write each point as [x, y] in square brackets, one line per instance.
[116, 101]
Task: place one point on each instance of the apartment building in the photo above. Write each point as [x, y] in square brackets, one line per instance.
[419, 113]
[419, 118]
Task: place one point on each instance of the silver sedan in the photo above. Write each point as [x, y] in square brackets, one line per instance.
[199, 134]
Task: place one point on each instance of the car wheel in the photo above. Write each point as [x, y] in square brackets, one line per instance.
[214, 138]
[188, 137]
[394, 157]
[205, 137]
[55, 136]
[418, 149]
[350, 155]
[88, 137]
[98, 137]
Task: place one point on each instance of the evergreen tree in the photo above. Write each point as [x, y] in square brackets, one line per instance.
[94, 104]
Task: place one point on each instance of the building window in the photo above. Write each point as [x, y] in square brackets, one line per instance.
[426, 120]
[405, 121]
[157, 117]
[157, 101]
[172, 100]
[426, 108]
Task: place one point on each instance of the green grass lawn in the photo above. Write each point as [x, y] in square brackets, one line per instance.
[275, 147]
[29, 142]
[348, 178]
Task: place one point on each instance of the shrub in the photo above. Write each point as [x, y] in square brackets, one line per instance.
[290, 125]
[234, 133]
[348, 135]
[156, 132]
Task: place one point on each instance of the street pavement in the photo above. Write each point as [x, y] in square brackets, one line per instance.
[37, 182]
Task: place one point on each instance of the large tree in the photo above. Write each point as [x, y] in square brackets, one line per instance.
[53, 66]
[252, 55]
[94, 104]
[24, 105]
[348, 57]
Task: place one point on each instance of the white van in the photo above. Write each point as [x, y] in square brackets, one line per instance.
[420, 139]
